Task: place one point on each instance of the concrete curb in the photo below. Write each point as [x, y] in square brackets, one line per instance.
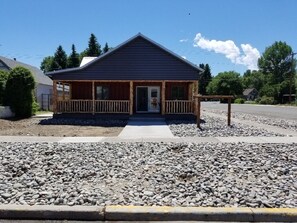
[134, 213]
[47, 212]
[147, 213]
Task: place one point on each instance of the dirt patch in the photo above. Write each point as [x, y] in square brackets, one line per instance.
[31, 127]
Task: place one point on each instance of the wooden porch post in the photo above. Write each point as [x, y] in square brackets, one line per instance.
[163, 98]
[63, 91]
[190, 91]
[70, 91]
[93, 97]
[55, 97]
[198, 109]
[195, 86]
[229, 111]
[131, 98]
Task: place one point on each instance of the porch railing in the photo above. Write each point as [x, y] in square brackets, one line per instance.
[179, 107]
[86, 106]
[112, 106]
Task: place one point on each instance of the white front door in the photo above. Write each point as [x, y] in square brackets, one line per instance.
[153, 99]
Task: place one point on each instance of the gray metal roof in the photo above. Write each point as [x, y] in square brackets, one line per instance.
[248, 91]
[39, 76]
[119, 47]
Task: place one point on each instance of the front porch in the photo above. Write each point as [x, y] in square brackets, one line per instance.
[124, 97]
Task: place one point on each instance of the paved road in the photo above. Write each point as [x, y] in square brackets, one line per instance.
[279, 112]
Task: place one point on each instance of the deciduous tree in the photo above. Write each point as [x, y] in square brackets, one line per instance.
[3, 79]
[19, 91]
[47, 64]
[253, 79]
[225, 83]
[276, 62]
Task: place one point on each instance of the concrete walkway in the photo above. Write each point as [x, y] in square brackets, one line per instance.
[149, 128]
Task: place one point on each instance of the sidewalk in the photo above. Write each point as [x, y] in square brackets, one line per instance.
[254, 140]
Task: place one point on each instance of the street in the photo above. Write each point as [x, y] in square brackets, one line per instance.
[271, 111]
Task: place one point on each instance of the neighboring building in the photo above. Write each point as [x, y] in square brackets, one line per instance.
[138, 76]
[44, 84]
[250, 94]
[86, 60]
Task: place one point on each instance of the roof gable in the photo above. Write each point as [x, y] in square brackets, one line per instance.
[39, 76]
[136, 59]
[249, 91]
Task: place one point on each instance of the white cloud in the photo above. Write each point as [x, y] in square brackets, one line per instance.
[247, 56]
[184, 57]
[183, 40]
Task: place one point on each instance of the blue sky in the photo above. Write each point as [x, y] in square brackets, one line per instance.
[231, 34]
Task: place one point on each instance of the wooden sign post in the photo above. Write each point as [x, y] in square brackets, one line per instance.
[198, 108]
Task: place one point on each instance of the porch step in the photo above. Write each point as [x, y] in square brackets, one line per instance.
[147, 119]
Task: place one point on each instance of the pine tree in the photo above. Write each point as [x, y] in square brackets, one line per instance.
[94, 48]
[60, 59]
[106, 48]
[205, 78]
[73, 59]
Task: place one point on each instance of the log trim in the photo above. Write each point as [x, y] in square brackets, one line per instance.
[107, 81]
[163, 97]
[131, 98]
[93, 97]
[55, 97]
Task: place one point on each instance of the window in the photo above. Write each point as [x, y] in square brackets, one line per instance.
[177, 92]
[102, 92]
[154, 93]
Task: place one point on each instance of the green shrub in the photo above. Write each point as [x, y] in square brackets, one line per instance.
[267, 100]
[3, 79]
[35, 107]
[239, 101]
[258, 100]
[251, 102]
[19, 92]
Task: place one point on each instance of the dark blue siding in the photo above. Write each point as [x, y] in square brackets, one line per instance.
[137, 60]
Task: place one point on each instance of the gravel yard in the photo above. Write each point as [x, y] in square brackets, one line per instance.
[286, 124]
[216, 127]
[263, 175]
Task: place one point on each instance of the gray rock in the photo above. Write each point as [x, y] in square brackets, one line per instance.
[6, 195]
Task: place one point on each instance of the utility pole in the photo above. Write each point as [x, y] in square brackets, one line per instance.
[291, 77]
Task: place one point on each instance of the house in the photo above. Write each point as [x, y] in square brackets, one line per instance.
[138, 76]
[250, 94]
[44, 84]
[86, 60]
